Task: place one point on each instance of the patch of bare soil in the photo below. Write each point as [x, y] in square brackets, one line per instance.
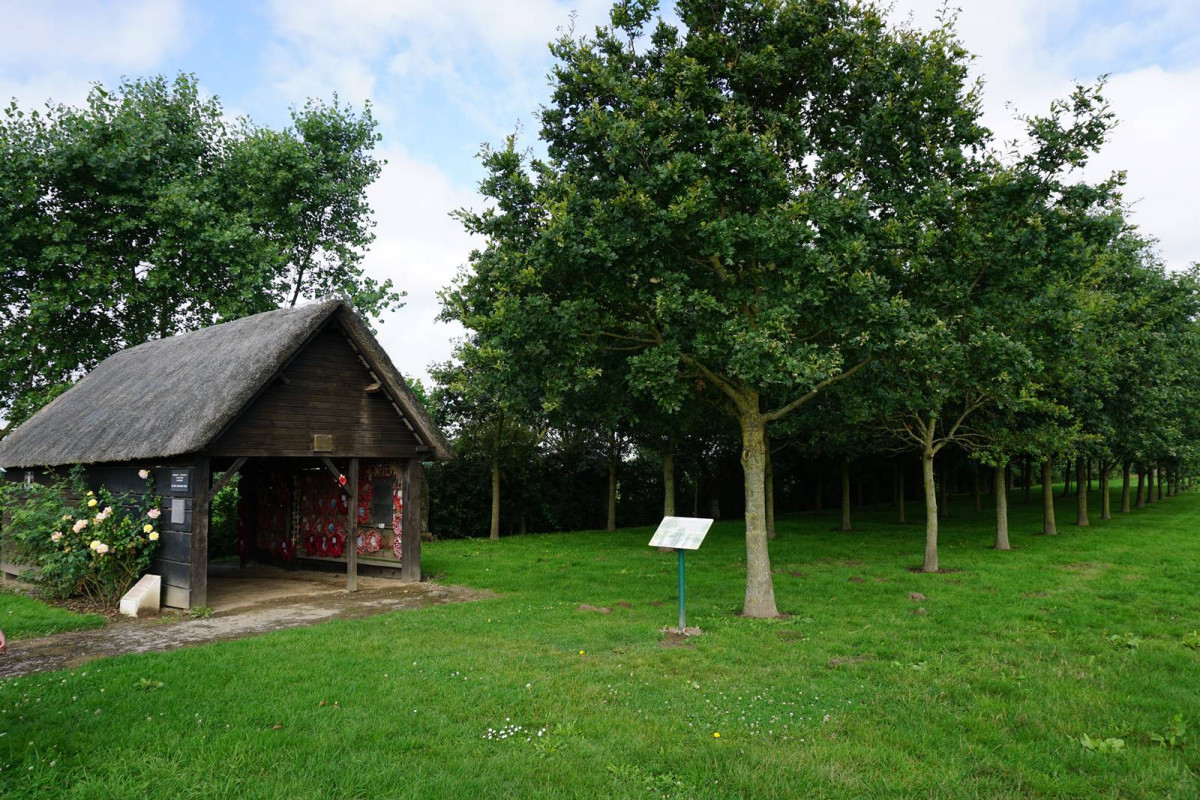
[943, 571]
[595, 609]
[848, 661]
[67, 650]
[1082, 567]
[673, 637]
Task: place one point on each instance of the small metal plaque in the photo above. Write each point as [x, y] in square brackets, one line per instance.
[322, 442]
[681, 533]
[181, 481]
[178, 511]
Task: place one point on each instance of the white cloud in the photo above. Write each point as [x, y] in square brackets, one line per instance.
[420, 247]
[1026, 60]
[1154, 144]
[55, 49]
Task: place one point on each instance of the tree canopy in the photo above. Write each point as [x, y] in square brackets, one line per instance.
[146, 212]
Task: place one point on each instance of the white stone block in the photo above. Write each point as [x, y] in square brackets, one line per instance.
[145, 596]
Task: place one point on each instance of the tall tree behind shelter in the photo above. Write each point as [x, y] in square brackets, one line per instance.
[145, 212]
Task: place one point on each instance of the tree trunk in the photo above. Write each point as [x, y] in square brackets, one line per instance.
[770, 492]
[610, 523]
[845, 495]
[494, 534]
[1141, 488]
[760, 592]
[1081, 482]
[1105, 494]
[900, 497]
[1067, 479]
[1151, 480]
[1125, 470]
[1028, 467]
[1088, 472]
[976, 497]
[1001, 509]
[1048, 526]
[931, 508]
[944, 508]
[1160, 473]
[669, 478]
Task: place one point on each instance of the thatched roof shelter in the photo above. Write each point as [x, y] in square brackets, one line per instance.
[176, 395]
[271, 398]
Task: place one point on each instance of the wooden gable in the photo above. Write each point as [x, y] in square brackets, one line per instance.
[326, 390]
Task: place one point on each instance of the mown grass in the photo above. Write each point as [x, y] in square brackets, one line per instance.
[982, 689]
[23, 617]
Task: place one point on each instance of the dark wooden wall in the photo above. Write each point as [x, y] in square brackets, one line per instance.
[324, 393]
[174, 556]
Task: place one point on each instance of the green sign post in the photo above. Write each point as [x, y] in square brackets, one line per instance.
[681, 534]
[682, 613]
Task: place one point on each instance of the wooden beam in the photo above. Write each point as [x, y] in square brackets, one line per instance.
[410, 541]
[228, 475]
[373, 388]
[198, 539]
[352, 530]
[337, 473]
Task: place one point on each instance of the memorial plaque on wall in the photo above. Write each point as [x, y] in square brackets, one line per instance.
[181, 481]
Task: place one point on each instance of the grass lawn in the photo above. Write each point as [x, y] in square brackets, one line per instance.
[984, 688]
[23, 617]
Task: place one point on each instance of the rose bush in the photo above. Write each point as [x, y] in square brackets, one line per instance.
[97, 547]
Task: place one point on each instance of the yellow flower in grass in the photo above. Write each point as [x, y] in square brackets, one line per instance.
[716, 735]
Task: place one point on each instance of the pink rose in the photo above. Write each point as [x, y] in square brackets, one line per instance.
[154, 513]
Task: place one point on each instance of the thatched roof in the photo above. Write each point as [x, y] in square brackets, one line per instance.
[174, 396]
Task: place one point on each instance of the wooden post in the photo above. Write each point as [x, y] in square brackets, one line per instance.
[352, 529]
[410, 545]
[198, 539]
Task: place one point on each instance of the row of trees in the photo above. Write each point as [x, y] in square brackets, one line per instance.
[790, 214]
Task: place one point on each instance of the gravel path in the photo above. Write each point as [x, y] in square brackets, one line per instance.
[67, 650]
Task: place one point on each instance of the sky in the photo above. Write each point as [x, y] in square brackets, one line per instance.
[447, 76]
